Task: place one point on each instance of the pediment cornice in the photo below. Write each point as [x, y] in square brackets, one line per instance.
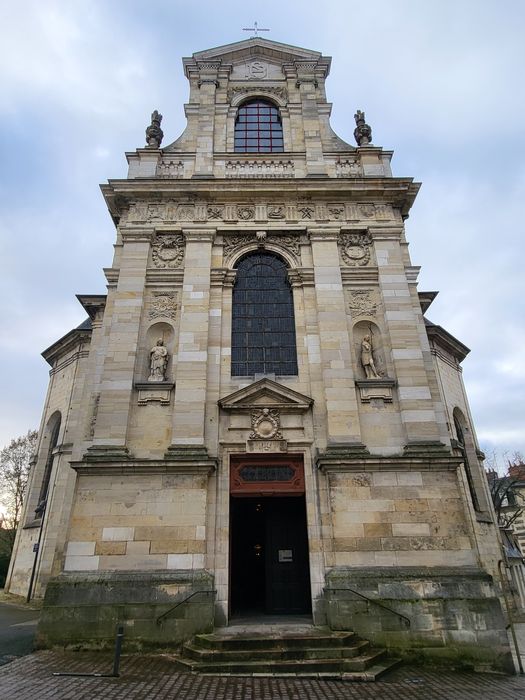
[268, 393]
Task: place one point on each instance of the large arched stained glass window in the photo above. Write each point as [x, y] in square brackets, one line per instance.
[263, 324]
[258, 128]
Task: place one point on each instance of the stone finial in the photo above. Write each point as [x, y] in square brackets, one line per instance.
[154, 133]
[362, 132]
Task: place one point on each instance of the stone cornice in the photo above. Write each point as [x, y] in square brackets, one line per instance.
[400, 192]
[145, 467]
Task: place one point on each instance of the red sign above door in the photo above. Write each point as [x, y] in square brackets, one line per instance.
[263, 475]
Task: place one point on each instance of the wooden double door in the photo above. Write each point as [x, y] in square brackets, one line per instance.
[269, 572]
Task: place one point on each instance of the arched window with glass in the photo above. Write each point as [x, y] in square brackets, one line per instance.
[263, 322]
[258, 128]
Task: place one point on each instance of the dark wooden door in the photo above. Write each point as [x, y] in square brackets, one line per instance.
[287, 570]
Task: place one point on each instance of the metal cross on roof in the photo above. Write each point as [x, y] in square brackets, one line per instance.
[255, 29]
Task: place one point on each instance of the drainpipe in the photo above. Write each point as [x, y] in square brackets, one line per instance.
[40, 510]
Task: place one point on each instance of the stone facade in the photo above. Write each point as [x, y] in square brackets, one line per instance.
[140, 493]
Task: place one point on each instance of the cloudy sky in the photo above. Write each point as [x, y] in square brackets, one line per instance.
[441, 82]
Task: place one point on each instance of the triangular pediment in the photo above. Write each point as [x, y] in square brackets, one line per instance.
[266, 393]
[240, 50]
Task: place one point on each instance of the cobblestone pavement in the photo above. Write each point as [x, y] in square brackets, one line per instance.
[157, 678]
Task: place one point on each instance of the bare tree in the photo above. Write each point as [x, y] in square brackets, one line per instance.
[15, 461]
[508, 488]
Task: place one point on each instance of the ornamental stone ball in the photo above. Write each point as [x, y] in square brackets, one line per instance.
[154, 133]
[362, 132]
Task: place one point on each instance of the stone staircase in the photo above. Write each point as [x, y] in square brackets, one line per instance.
[306, 652]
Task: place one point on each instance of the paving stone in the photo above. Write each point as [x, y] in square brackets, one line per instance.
[155, 678]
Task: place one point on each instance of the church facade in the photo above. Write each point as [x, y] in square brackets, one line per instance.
[258, 418]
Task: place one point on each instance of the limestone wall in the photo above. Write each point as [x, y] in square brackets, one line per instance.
[138, 522]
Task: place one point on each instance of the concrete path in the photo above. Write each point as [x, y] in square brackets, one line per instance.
[158, 678]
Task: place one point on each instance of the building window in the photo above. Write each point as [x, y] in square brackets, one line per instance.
[263, 324]
[44, 488]
[462, 446]
[258, 128]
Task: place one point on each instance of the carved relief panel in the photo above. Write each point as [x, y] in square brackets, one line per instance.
[356, 248]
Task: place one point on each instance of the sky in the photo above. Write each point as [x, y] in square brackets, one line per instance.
[441, 83]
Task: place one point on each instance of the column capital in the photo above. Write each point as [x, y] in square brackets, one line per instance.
[137, 235]
[203, 235]
[323, 234]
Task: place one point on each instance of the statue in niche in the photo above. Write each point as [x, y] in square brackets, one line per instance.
[158, 362]
[367, 358]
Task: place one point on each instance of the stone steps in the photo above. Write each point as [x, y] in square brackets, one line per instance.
[315, 653]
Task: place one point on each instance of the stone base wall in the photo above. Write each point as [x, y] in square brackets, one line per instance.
[454, 614]
[83, 610]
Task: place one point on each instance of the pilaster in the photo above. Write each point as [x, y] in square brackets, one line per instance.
[207, 85]
[192, 355]
[342, 421]
[121, 326]
[406, 339]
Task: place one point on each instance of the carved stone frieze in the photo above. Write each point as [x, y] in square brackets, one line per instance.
[266, 424]
[215, 212]
[280, 92]
[168, 251]
[233, 243]
[163, 306]
[336, 213]
[367, 211]
[185, 212]
[245, 212]
[276, 211]
[306, 212]
[355, 248]
[362, 302]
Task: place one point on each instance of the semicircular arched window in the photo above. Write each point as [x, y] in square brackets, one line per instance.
[263, 322]
[258, 128]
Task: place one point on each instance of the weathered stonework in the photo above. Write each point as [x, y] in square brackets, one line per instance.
[140, 507]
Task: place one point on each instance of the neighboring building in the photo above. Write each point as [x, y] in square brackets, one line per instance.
[516, 501]
[300, 432]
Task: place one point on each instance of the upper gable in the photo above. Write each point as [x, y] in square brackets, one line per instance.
[290, 78]
[243, 54]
